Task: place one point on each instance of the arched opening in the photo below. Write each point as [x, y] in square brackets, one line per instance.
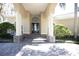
[35, 24]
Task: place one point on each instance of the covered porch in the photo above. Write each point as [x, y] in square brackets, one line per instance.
[34, 19]
[34, 22]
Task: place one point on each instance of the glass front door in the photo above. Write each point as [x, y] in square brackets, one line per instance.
[35, 27]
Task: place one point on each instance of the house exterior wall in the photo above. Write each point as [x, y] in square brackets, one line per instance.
[24, 18]
[43, 24]
[45, 16]
[26, 23]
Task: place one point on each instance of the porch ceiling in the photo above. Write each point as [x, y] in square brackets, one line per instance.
[35, 8]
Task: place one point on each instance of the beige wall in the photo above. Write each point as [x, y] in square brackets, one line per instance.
[26, 24]
[22, 19]
[69, 23]
[25, 16]
[43, 24]
[47, 15]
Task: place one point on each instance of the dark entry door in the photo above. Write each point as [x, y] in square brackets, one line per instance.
[35, 27]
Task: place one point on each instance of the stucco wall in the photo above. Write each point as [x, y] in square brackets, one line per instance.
[43, 24]
[25, 19]
[26, 23]
[22, 19]
[25, 16]
[45, 17]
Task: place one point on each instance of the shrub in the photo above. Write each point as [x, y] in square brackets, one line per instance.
[3, 29]
[5, 36]
[61, 31]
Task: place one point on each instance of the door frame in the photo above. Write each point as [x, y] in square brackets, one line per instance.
[39, 24]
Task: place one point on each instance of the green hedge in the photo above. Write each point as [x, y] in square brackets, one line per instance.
[61, 31]
[3, 30]
[5, 36]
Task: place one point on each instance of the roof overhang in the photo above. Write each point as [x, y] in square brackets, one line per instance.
[35, 8]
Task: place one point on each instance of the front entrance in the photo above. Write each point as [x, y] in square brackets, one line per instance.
[35, 27]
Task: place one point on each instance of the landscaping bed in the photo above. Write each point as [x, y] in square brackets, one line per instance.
[7, 31]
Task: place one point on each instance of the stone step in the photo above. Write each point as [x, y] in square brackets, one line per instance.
[32, 36]
[39, 40]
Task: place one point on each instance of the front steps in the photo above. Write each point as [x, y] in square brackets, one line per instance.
[35, 38]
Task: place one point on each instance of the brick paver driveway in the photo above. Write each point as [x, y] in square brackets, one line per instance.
[46, 49]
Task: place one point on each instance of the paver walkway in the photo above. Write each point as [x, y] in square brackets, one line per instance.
[36, 46]
[46, 49]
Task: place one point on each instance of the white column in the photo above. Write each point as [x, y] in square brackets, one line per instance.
[51, 37]
[75, 20]
[18, 36]
[50, 14]
[18, 24]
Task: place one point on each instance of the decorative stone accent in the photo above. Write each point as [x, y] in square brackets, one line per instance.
[51, 39]
[18, 39]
